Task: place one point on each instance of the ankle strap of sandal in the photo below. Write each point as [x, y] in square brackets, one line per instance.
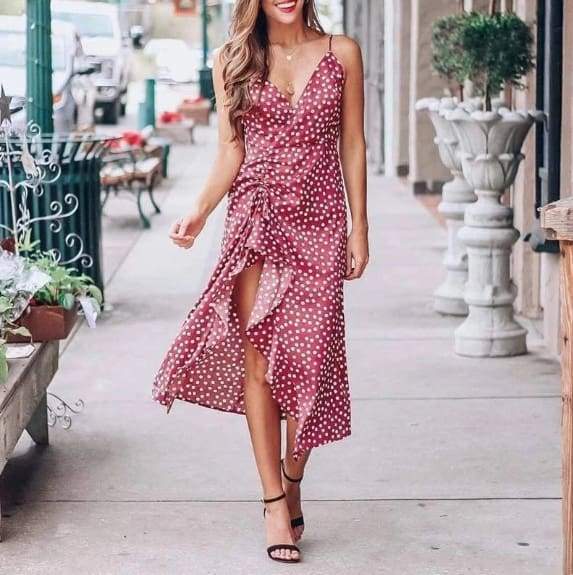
[273, 499]
[298, 480]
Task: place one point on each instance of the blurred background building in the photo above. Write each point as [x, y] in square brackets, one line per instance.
[395, 36]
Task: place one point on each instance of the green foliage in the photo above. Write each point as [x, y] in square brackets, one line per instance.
[3, 362]
[26, 244]
[7, 326]
[446, 48]
[65, 285]
[491, 50]
[498, 51]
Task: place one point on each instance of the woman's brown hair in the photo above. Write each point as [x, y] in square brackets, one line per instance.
[245, 56]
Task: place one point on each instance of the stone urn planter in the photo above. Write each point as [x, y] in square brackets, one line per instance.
[490, 152]
[456, 196]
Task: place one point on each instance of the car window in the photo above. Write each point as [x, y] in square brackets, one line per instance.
[13, 53]
[89, 25]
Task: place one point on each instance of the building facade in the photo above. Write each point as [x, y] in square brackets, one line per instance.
[395, 36]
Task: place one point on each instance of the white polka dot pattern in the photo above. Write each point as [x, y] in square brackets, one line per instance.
[287, 206]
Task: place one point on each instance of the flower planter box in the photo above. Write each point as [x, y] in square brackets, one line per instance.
[182, 131]
[46, 323]
[23, 402]
[198, 111]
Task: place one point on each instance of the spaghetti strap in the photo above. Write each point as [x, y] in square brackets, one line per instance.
[330, 43]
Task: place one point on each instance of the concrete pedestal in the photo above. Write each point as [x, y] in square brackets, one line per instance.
[490, 144]
[456, 196]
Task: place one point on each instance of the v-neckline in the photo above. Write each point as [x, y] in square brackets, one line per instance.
[294, 107]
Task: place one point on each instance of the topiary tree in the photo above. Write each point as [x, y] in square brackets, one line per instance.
[492, 50]
[446, 50]
[497, 51]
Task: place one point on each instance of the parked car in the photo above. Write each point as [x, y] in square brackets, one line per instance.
[100, 29]
[73, 90]
[176, 61]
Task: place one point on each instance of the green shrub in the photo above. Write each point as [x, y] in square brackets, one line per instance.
[491, 50]
[446, 49]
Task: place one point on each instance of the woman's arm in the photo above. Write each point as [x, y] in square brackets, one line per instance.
[227, 162]
[353, 154]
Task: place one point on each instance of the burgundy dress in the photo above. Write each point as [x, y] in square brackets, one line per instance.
[287, 205]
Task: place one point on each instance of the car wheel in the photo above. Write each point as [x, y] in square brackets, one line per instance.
[111, 112]
[123, 103]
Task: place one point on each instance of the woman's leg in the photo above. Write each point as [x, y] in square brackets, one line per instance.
[294, 469]
[263, 417]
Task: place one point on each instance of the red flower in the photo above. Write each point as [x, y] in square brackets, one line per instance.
[133, 138]
[169, 117]
[8, 244]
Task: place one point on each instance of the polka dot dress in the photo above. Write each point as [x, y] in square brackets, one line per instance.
[287, 206]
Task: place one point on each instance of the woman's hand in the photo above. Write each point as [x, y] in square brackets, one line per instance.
[184, 231]
[356, 253]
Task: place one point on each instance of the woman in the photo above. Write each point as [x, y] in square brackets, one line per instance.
[266, 337]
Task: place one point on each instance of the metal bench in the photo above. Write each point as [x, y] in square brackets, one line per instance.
[133, 170]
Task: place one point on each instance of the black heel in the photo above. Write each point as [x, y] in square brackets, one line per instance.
[279, 546]
[297, 521]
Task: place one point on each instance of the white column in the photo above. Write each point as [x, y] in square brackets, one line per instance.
[526, 264]
[397, 22]
[479, 5]
[373, 52]
[425, 170]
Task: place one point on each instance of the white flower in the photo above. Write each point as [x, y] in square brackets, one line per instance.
[19, 281]
[9, 266]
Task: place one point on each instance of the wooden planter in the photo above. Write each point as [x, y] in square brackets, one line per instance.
[46, 323]
[197, 111]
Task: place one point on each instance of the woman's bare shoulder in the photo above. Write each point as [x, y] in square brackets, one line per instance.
[346, 49]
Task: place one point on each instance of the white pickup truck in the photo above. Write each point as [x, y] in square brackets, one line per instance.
[103, 41]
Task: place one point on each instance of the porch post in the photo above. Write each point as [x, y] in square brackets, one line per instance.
[557, 221]
[39, 64]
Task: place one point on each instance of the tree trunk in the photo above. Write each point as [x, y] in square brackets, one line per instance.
[487, 97]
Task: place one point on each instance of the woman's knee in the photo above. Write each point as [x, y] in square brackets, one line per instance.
[255, 367]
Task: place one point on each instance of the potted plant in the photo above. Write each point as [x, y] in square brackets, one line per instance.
[457, 194]
[495, 51]
[52, 311]
[19, 281]
[8, 328]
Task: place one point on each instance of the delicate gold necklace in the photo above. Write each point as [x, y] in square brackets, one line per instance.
[289, 56]
[293, 52]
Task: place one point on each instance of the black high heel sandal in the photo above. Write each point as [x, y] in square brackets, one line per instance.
[297, 521]
[279, 546]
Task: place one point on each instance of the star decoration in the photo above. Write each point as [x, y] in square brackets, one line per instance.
[4, 106]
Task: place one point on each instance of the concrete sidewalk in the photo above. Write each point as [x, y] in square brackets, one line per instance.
[452, 466]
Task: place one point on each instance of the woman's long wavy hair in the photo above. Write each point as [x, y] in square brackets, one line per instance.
[245, 56]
